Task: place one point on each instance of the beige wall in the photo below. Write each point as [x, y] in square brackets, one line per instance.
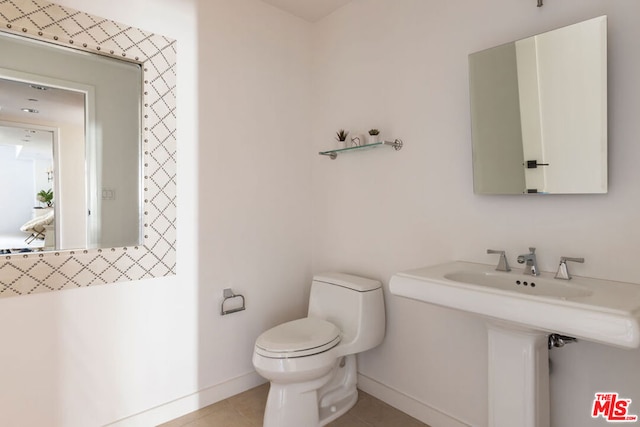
[254, 176]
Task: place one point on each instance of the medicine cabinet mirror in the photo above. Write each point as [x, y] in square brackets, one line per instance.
[539, 113]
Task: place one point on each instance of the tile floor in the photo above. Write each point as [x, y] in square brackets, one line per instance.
[246, 410]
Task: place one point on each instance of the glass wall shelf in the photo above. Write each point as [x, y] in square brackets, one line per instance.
[333, 154]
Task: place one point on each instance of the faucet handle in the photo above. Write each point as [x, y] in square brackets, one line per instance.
[563, 270]
[532, 250]
[503, 265]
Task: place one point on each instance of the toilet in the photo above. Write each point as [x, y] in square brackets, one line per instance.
[311, 362]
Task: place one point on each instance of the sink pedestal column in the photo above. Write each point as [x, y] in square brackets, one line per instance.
[518, 377]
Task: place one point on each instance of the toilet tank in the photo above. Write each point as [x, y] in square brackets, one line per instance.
[352, 303]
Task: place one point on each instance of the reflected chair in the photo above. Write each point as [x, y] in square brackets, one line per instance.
[37, 227]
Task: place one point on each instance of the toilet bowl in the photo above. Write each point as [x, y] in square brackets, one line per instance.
[311, 362]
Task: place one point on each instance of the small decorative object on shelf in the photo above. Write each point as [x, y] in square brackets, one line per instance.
[333, 154]
[341, 137]
[374, 136]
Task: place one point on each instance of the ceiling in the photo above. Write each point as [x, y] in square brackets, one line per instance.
[309, 10]
[52, 106]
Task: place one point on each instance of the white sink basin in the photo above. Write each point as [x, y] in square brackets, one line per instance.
[591, 309]
[528, 285]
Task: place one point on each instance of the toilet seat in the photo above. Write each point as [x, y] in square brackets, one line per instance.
[298, 338]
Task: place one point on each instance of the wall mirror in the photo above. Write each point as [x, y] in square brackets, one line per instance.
[87, 150]
[89, 108]
[539, 113]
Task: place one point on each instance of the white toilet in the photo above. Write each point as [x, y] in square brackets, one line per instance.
[311, 362]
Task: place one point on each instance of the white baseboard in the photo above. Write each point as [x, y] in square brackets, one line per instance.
[407, 404]
[193, 402]
[208, 396]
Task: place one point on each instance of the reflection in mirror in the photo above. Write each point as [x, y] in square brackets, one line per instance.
[89, 108]
[26, 162]
[539, 113]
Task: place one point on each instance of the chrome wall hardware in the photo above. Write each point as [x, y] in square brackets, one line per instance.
[229, 295]
[557, 340]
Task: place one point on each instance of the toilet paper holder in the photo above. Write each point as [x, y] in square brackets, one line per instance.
[228, 294]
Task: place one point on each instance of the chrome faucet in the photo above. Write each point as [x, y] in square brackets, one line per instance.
[503, 265]
[563, 270]
[531, 266]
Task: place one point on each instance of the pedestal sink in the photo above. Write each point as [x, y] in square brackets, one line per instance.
[521, 311]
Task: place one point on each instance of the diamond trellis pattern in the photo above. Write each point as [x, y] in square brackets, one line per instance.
[45, 272]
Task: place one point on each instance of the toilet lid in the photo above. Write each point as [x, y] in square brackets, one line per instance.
[298, 338]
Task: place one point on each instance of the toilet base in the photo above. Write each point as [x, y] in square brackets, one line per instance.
[293, 405]
[340, 394]
[331, 413]
[314, 403]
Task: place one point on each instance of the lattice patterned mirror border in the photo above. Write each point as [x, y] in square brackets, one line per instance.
[22, 274]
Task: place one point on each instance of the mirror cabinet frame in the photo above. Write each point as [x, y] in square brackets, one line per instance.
[37, 272]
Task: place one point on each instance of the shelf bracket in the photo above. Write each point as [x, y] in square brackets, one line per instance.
[397, 144]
